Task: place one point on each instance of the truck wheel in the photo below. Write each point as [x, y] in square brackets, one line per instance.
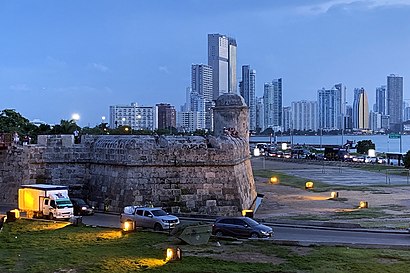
[157, 227]
[50, 216]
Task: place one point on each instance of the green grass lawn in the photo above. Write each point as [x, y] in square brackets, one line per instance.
[298, 182]
[46, 246]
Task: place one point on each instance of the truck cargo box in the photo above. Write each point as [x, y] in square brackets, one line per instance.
[30, 197]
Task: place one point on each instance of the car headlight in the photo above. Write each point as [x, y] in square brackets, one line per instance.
[264, 232]
[84, 208]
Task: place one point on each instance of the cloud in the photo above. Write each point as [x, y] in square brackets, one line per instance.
[324, 7]
[164, 69]
[20, 87]
[98, 67]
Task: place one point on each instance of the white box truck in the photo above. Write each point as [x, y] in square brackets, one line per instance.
[43, 200]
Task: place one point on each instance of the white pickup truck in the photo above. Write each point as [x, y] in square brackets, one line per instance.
[145, 217]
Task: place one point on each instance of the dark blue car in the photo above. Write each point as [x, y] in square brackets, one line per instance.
[243, 227]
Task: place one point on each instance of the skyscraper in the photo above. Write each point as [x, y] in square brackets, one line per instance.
[330, 108]
[222, 59]
[304, 115]
[247, 90]
[260, 119]
[395, 102]
[201, 95]
[360, 109]
[272, 100]
[363, 111]
[381, 100]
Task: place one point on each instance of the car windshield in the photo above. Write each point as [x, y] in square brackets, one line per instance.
[251, 222]
[64, 204]
[158, 212]
[80, 202]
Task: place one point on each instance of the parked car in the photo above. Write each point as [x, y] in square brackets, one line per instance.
[370, 159]
[146, 217]
[81, 207]
[240, 227]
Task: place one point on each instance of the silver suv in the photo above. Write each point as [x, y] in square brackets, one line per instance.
[154, 218]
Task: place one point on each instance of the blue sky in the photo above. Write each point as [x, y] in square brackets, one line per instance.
[61, 57]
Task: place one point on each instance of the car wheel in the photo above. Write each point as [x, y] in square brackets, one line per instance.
[254, 235]
[157, 227]
[219, 233]
[50, 216]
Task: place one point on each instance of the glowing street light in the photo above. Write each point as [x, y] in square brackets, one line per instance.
[75, 117]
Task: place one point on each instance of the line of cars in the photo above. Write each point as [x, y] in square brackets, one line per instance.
[158, 220]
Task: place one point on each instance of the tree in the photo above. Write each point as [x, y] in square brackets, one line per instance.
[406, 160]
[12, 121]
[363, 146]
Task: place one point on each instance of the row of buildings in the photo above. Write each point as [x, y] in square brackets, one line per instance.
[208, 81]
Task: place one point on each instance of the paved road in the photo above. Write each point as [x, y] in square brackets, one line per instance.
[334, 175]
[304, 235]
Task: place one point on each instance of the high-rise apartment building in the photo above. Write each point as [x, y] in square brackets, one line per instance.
[135, 116]
[363, 111]
[304, 115]
[395, 102]
[381, 100]
[360, 109]
[166, 116]
[331, 102]
[222, 59]
[287, 119]
[248, 92]
[272, 101]
[260, 119]
[201, 85]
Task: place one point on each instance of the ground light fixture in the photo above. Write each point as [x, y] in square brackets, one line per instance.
[309, 185]
[173, 254]
[128, 226]
[334, 195]
[363, 205]
[274, 180]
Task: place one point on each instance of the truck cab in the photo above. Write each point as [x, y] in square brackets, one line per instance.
[55, 207]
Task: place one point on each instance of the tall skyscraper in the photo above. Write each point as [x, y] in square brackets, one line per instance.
[381, 100]
[304, 115]
[363, 111]
[248, 92]
[395, 102]
[222, 59]
[331, 103]
[201, 95]
[287, 119]
[272, 100]
[360, 109]
[260, 119]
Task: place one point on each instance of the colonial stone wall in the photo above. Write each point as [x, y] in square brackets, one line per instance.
[184, 174]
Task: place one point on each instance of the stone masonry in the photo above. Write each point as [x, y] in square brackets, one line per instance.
[191, 174]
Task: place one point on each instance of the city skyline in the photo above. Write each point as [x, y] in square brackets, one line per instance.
[53, 66]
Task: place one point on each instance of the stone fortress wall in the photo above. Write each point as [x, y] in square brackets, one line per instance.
[189, 174]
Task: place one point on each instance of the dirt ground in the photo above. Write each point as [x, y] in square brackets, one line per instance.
[389, 206]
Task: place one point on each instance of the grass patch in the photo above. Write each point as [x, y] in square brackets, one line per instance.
[360, 214]
[298, 182]
[39, 246]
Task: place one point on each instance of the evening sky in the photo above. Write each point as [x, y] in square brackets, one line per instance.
[61, 57]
